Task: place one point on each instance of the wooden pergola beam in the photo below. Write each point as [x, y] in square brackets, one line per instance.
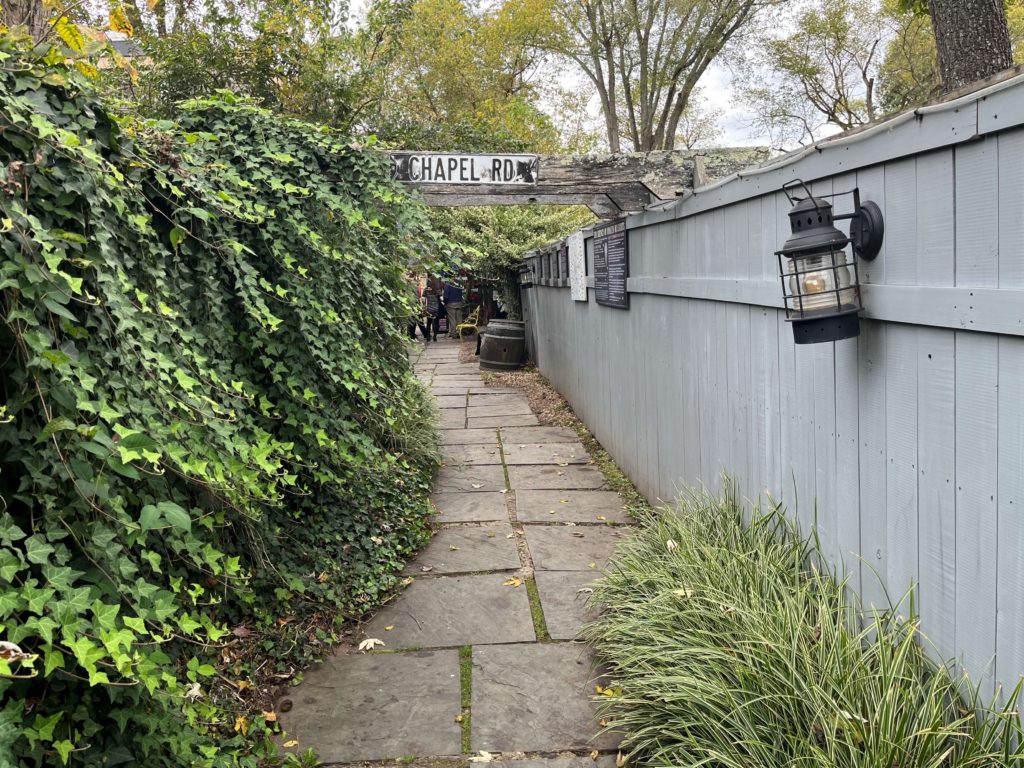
[607, 184]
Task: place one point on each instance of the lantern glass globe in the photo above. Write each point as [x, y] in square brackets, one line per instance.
[813, 283]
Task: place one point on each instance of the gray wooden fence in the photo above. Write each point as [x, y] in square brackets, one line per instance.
[909, 439]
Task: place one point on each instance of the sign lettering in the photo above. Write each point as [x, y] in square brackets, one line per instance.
[611, 265]
[450, 168]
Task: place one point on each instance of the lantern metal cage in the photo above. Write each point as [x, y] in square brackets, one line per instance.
[526, 274]
[820, 280]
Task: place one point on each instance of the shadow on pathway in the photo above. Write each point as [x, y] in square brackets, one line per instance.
[479, 650]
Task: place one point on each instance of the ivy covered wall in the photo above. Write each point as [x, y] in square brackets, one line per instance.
[210, 430]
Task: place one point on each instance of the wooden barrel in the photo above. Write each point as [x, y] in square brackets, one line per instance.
[503, 346]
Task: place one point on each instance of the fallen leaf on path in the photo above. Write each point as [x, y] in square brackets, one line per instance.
[579, 535]
[515, 581]
[491, 534]
[504, 490]
[482, 757]
[291, 743]
[551, 511]
[561, 472]
[563, 501]
[426, 568]
[453, 548]
[592, 565]
[593, 755]
[585, 590]
[370, 643]
[601, 517]
[389, 627]
[477, 485]
[270, 717]
[458, 718]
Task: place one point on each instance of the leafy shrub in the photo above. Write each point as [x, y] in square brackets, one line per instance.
[728, 647]
[208, 411]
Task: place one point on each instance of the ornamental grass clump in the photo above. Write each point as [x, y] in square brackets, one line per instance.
[728, 645]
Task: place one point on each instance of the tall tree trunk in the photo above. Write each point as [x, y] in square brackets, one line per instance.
[972, 39]
[27, 13]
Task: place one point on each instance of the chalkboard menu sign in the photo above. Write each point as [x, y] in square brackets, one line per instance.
[611, 265]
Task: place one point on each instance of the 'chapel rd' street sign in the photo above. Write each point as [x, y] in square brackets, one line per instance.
[453, 168]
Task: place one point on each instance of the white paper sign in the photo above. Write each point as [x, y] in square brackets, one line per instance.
[577, 267]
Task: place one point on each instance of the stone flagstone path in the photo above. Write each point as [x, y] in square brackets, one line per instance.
[497, 599]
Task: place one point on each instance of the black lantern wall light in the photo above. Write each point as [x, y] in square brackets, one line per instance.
[820, 285]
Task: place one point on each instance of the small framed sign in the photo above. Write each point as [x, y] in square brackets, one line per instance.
[611, 265]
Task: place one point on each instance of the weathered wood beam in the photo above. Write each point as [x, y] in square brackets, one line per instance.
[608, 184]
[601, 204]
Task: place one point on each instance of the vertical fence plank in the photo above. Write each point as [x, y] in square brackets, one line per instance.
[1010, 495]
[874, 539]
[977, 214]
[1011, 222]
[936, 491]
[977, 445]
[901, 454]
[901, 222]
[934, 218]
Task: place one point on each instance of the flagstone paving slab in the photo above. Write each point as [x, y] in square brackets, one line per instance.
[463, 507]
[471, 454]
[471, 478]
[445, 611]
[469, 436]
[565, 597]
[500, 409]
[442, 380]
[458, 369]
[544, 453]
[493, 422]
[538, 434]
[530, 477]
[571, 548]
[450, 392]
[452, 418]
[467, 550]
[451, 401]
[535, 698]
[496, 398]
[378, 706]
[569, 506]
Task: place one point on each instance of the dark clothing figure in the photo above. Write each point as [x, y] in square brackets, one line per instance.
[431, 309]
[452, 294]
[452, 306]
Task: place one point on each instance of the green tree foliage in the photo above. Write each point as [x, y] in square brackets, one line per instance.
[458, 78]
[208, 415]
[296, 58]
[496, 238]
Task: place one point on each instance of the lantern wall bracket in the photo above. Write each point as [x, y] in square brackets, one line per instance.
[867, 227]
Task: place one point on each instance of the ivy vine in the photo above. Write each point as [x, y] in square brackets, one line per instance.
[208, 414]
